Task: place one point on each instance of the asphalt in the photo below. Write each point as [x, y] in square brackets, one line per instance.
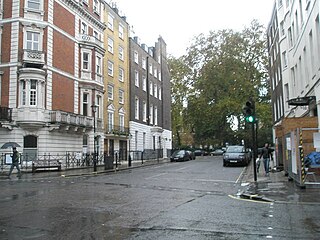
[273, 188]
[277, 187]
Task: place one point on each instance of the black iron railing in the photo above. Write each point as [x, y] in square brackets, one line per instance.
[117, 130]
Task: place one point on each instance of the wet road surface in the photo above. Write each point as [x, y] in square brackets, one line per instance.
[184, 200]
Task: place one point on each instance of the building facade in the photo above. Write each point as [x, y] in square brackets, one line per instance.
[294, 65]
[150, 99]
[51, 74]
[116, 81]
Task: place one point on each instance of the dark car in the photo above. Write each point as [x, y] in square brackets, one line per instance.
[217, 152]
[236, 154]
[180, 155]
[199, 152]
[192, 155]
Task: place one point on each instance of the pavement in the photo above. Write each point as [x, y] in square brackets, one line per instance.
[276, 187]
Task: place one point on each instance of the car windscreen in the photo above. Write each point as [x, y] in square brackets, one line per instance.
[179, 153]
[235, 149]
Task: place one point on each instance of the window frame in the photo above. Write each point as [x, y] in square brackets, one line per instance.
[110, 92]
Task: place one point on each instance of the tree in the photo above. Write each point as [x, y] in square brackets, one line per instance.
[221, 71]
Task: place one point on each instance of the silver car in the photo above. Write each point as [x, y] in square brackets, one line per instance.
[236, 154]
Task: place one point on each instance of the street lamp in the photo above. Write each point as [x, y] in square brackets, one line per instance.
[94, 108]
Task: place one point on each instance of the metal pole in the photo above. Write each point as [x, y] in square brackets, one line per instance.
[254, 143]
[94, 142]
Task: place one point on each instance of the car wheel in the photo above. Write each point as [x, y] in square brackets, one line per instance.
[224, 164]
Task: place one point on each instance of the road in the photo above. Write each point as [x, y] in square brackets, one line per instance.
[184, 200]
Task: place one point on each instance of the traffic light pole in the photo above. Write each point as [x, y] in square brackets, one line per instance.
[254, 143]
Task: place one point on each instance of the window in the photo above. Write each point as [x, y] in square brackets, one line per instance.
[33, 41]
[144, 111]
[136, 57]
[150, 68]
[23, 93]
[136, 108]
[85, 143]
[151, 88]
[121, 30]
[144, 83]
[98, 65]
[98, 104]
[282, 29]
[110, 68]
[155, 72]
[33, 92]
[155, 116]
[121, 74]
[121, 53]
[160, 93]
[284, 59]
[280, 3]
[144, 63]
[110, 22]
[84, 28]
[121, 96]
[110, 120]
[29, 92]
[85, 104]
[159, 75]
[121, 121]
[110, 92]
[155, 90]
[96, 6]
[85, 61]
[151, 114]
[110, 45]
[136, 78]
[34, 4]
[290, 37]
[96, 35]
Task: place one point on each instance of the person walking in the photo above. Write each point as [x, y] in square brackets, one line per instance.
[15, 162]
[266, 156]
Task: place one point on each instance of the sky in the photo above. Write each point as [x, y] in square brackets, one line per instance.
[179, 21]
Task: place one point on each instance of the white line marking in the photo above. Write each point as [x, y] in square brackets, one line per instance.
[158, 175]
[241, 174]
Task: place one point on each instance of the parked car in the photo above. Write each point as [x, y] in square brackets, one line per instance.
[217, 152]
[236, 154]
[199, 152]
[180, 155]
[192, 155]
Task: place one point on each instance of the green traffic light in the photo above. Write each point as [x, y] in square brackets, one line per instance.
[250, 119]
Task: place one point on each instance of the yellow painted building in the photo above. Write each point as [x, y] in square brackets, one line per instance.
[116, 82]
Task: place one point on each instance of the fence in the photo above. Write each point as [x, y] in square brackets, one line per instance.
[303, 155]
[77, 160]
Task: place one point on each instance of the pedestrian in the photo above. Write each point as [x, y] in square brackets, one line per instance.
[15, 162]
[266, 156]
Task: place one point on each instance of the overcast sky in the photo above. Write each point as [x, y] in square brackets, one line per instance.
[179, 21]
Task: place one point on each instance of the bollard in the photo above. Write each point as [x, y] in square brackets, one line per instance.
[129, 160]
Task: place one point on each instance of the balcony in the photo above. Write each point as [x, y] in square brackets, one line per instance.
[33, 58]
[87, 39]
[117, 130]
[5, 114]
[71, 119]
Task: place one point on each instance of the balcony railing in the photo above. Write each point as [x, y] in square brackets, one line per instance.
[33, 57]
[71, 119]
[90, 39]
[5, 114]
[117, 130]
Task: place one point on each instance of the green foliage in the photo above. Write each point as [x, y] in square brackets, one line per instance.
[213, 81]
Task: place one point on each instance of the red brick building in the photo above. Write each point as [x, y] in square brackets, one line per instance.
[51, 74]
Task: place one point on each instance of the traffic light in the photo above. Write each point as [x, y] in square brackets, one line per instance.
[249, 112]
